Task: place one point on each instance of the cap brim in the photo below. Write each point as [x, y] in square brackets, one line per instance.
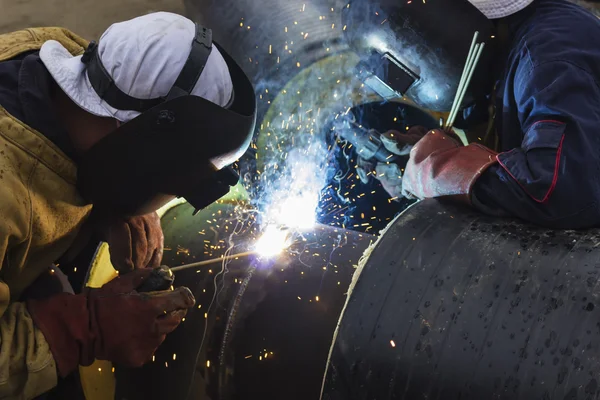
[69, 73]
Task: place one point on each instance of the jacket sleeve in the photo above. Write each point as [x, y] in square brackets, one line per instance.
[27, 367]
[552, 179]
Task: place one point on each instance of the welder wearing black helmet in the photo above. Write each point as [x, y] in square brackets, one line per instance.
[531, 112]
[96, 137]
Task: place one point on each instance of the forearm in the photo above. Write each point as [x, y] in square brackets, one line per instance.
[551, 179]
[27, 367]
[569, 206]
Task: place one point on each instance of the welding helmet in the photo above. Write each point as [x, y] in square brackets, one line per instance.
[180, 144]
[418, 49]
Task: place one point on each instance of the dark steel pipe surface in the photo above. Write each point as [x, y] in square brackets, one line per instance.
[454, 305]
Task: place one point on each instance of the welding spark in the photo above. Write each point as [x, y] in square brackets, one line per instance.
[273, 241]
[294, 188]
[297, 211]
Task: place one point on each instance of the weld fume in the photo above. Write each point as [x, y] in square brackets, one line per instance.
[294, 159]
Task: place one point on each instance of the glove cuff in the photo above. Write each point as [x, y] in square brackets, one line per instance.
[472, 160]
[64, 321]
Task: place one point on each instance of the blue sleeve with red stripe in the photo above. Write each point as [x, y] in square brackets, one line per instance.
[553, 178]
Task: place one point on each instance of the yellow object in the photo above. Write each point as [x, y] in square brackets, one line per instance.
[41, 213]
[98, 380]
[101, 270]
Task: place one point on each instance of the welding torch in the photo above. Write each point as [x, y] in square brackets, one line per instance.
[367, 141]
[162, 278]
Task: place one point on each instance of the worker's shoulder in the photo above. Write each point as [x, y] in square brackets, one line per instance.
[16, 160]
[560, 32]
[16, 167]
[14, 43]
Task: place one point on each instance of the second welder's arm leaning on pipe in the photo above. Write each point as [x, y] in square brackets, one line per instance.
[551, 179]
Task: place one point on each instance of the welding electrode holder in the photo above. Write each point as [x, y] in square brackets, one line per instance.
[160, 279]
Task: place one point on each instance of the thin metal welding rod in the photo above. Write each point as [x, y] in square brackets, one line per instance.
[462, 89]
[456, 103]
[465, 72]
[212, 261]
[480, 47]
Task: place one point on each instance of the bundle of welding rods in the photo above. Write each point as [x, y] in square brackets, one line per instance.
[472, 60]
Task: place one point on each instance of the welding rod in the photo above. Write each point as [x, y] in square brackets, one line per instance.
[463, 77]
[212, 261]
[463, 90]
[470, 64]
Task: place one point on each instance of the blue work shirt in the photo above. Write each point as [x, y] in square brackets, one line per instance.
[548, 120]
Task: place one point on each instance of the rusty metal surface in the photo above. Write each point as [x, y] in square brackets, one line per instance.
[267, 337]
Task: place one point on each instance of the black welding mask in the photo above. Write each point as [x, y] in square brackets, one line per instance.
[418, 48]
[179, 146]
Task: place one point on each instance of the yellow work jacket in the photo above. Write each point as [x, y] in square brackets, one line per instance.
[40, 215]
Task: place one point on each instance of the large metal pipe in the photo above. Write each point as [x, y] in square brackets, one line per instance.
[270, 324]
[452, 305]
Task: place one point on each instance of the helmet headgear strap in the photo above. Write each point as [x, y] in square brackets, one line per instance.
[108, 91]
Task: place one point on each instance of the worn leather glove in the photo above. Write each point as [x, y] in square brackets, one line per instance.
[440, 166]
[135, 242]
[389, 174]
[114, 323]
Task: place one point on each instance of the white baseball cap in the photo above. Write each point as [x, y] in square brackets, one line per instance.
[500, 8]
[144, 57]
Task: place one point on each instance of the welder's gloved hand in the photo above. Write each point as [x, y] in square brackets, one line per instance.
[440, 165]
[135, 242]
[114, 323]
[389, 174]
